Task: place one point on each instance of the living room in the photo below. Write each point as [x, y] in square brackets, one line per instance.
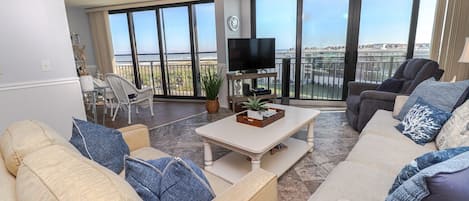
[234, 100]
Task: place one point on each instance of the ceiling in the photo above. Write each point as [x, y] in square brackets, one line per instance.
[100, 3]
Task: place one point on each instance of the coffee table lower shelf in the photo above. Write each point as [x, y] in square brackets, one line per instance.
[233, 166]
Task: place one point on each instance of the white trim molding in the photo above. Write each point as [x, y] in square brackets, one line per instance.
[39, 83]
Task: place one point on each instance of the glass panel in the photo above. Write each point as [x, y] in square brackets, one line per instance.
[207, 38]
[384, 32]
[121, 44]
[323, 49]
[177, 50]
[146, 39]
[277, 19]
[425, 22]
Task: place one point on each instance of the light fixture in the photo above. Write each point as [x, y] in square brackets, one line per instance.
[465, 53]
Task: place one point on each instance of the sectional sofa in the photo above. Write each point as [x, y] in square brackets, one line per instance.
[371, 167]
[40, 157]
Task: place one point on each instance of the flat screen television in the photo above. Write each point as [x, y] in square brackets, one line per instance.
[246, 54]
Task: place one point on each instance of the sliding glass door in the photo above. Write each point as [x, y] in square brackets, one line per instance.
[148, 53]
[277, 19]
[383, 38]
[177, 50]
[331, 42]
[323, 49]
[165, 47]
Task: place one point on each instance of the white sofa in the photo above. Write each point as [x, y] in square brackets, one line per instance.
[371, 167]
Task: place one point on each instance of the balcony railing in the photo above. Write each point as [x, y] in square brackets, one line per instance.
[178, 76]
[321, 78]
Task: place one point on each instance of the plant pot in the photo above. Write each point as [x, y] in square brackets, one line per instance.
[212, 106]
[86, 82]
[259, 115]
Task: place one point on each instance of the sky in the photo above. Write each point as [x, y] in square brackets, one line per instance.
[324, 24]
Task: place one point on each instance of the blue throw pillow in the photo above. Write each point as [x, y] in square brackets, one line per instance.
[104, 145]
[424, 161]
[423, 122]
[167, 179]
[416, 189]
[391, 85]
[448, 186]
[443, 95]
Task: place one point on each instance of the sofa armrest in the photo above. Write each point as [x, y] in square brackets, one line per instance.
[378, 95]
[355, 88]
[258, 185]
[136, 136]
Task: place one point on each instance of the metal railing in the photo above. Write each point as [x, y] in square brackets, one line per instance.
[178, 74]
[321, 77]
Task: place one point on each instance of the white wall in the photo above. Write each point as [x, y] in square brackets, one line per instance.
[223, 10]
[37, 72]
[78, 23]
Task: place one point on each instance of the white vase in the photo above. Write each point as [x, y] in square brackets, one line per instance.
[259, 115]
[86, 82]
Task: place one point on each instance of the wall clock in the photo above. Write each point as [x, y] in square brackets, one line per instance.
[233, 23]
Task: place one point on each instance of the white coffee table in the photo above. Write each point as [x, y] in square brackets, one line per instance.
[250, 142]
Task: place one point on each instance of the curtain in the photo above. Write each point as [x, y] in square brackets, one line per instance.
[102, 44]
[450, 30]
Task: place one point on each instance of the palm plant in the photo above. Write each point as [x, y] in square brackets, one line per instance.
[255, 104]
[211, 83]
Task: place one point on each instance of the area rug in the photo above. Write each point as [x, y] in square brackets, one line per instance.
[333, 140]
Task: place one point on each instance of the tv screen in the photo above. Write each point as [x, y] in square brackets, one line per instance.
[251, 54]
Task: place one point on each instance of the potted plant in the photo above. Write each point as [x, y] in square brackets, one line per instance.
[255, 107]
[212, 83]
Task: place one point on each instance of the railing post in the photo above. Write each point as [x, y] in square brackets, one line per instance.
[152, 77]
[286, 81]
[391, 67]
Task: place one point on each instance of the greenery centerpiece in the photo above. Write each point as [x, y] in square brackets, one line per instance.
[211, 83]
[255, 107]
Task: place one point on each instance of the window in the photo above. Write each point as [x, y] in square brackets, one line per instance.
[121, 44]
[323, 49]
[165, 48]
[277, 19]
[424, 29]
[383, 38]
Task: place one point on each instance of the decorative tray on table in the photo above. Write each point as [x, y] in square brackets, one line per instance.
[243, 118]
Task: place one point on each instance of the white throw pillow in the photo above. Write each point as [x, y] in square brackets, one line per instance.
[455, 132]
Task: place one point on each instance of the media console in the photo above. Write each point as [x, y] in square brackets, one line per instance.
[235, 94]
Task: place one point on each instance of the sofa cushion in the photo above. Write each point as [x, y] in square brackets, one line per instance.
[455, 132]
[383, 124]
[425, 161]
[354, 182]
[104, 145]
[218, 184]
[384, 153]
[398, 104]
[443, 95]
[448, 186]
[167, 179]
[423, 122]
[416, 188]
[56, 173]
[24, 137]
[7, 183]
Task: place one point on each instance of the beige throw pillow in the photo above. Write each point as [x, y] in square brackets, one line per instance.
[24, 137]
[455, 131]
[56, 173]
[398, 104]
